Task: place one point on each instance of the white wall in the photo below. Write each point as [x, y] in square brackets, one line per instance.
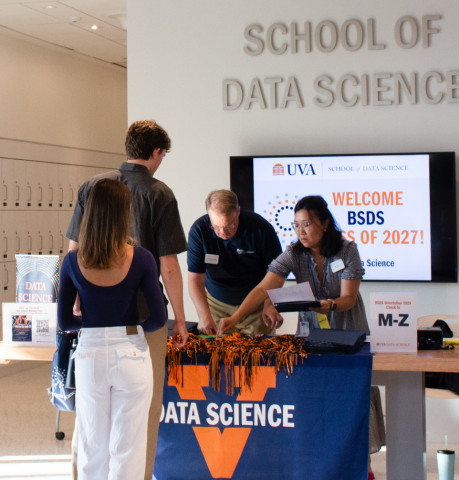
[180, 52]
[55, 97]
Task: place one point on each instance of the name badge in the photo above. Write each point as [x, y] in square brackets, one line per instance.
[211, 258]
[337, 265]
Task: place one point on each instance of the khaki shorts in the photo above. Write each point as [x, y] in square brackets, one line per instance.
[251, 325]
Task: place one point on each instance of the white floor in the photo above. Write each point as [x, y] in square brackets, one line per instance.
[28, 446]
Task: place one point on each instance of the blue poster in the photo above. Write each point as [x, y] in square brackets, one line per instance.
[37, 278]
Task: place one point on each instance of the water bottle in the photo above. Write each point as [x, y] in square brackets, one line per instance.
[70, 378]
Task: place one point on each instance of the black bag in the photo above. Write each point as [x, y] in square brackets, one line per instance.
[446, 330]
[62, 390]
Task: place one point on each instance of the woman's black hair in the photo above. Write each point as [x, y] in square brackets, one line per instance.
[332, 240]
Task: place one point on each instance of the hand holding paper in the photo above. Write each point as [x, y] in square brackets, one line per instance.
[296, 298]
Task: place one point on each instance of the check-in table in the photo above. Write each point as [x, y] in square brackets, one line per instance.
[403, 376]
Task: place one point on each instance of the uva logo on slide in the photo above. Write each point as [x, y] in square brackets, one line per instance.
[294, 169]
[222, 433]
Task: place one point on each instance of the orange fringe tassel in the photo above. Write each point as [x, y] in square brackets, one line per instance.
[247, 353]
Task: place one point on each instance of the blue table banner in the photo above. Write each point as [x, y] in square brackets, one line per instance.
[313, 424]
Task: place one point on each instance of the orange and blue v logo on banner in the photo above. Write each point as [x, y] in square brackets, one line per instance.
[222, 449]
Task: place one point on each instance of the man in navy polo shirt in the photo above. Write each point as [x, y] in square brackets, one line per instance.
[229, 251]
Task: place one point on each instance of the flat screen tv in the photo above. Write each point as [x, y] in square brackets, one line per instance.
[400, 208]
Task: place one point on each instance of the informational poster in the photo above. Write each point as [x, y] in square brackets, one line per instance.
[32, 321]
[37, 278]
[381, 202]
[393, 322]
[29, 324]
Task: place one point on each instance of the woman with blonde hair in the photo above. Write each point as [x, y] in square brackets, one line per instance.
[113, 372]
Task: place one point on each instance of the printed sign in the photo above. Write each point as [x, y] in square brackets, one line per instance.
[29, 324]
[393, 323]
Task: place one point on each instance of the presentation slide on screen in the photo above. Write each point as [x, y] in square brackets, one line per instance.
[380, 202]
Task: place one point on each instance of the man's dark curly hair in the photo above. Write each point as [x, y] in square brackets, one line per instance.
[143, 137]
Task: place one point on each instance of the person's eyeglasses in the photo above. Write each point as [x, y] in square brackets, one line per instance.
[225, 229]
[301, 226]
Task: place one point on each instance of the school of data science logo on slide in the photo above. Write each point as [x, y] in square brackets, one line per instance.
[280, 212]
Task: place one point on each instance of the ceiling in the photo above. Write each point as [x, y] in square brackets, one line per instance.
[68, 24]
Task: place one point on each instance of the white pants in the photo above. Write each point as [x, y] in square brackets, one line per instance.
[114, 385]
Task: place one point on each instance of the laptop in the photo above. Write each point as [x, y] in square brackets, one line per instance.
[329, 340]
